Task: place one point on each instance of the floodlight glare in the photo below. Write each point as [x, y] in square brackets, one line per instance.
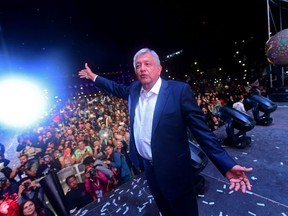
[22, 102]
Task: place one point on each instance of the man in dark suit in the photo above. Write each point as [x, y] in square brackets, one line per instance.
[161, 111]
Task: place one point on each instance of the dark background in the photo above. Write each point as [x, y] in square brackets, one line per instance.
[56, 38]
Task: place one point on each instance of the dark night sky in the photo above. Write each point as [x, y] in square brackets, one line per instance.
[55, 38]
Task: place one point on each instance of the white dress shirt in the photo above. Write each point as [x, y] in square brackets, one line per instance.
[144, 118]
[239, 106]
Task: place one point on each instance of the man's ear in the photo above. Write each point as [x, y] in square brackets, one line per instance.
[159, 69]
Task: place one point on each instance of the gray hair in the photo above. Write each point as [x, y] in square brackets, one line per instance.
[143, 51]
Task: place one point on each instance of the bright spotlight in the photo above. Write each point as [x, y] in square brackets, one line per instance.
[22, 102]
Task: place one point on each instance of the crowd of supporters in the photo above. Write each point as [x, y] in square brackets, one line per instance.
[93, 131]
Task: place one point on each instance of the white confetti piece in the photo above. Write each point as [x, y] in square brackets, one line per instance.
[231, 192]
[283, 214]
[104, 207]
[281, 163]
[254, 178]
[251, 213]
[260, 204]
[245, 153]
[220, 191]
[255, 160]
[236, 158]
[224, 186]
[114, 202]
[204, 202]
[127, 208]
[248, 192]
[83, 212]
[119, 209]
[112, 195]
[211, 203]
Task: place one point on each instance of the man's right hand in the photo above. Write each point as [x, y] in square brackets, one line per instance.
[87, 73]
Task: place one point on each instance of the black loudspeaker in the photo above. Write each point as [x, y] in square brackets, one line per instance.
[262, 107]
[237, 123]
[54, 193]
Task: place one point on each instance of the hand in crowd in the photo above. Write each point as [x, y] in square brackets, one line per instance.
[238, 179]
[107, 162]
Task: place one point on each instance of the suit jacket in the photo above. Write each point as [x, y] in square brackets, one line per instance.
[176, 110]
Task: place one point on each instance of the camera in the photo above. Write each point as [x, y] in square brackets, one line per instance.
[3, 181]
[92, 172]
[46, 158]
[22, 168]
[26, 184]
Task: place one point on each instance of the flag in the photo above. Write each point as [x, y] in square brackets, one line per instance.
[267, 70]
[256, 83]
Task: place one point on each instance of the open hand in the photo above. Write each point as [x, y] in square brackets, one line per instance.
[238, 179]
[87, 73]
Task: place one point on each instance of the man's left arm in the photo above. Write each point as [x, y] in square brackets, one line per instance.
[203, 135]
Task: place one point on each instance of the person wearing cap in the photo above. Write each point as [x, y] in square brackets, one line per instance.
[7, 188]
[4, 168]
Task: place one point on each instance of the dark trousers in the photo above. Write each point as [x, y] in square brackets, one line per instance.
[185, 205]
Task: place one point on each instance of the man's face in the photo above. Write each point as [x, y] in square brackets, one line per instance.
[3, 182]
[49, 134]
[23, 159]
[81, 145]
[46, 159]
[72, 183]
[147, 71]
[109, 150]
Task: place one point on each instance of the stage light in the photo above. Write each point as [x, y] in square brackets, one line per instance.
[262, 107]
[237, 124]
[199, 159]
[22, 102]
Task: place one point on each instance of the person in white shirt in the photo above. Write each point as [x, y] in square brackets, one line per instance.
[239, 104]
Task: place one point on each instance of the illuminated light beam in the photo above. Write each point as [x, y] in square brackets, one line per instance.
[22, 102]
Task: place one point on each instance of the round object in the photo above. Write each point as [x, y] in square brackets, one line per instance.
[276, 48]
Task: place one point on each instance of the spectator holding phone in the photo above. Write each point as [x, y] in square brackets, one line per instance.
[82, 151]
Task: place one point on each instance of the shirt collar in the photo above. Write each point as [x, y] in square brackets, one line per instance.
[155, 89]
